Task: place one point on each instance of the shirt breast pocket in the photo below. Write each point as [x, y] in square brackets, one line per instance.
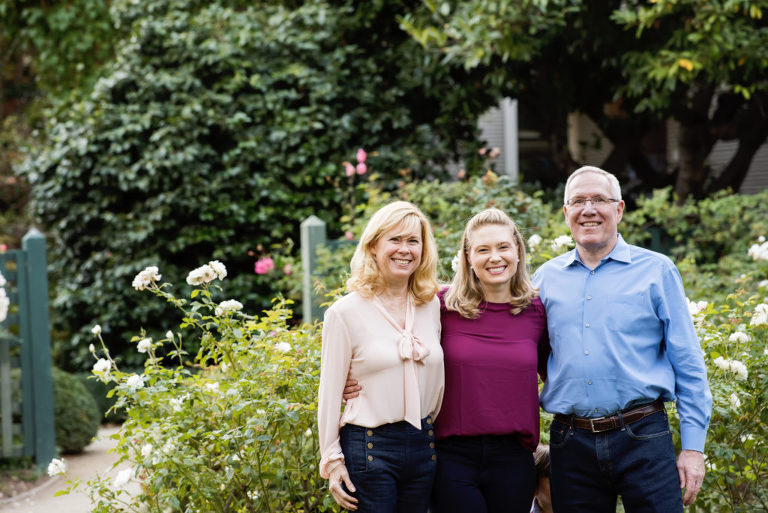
[628, 312]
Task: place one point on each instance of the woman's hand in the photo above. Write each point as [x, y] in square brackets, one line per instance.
[338, 476]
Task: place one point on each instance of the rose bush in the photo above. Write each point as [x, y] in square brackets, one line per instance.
[231, 428]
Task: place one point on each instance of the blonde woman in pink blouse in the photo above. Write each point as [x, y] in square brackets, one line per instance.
[378, 454]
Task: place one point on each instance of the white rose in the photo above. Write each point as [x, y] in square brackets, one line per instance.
[123, 477]
[230, 305]
[561, 242]
[56, 467]
[146, 277]
[134, 382]
[102, 365]
[201, 275]
[219, 269]
[144, 345]
[96, 330]
[534, 241]
[739, 336]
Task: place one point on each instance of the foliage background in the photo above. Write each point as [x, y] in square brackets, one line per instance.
[245, 406]
[215, 131]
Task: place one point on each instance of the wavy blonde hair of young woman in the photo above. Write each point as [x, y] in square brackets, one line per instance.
[465, 293]
[365, 277]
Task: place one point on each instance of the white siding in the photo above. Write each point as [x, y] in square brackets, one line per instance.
[757, 176]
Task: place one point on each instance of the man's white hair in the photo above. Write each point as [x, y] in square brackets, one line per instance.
[612, 180]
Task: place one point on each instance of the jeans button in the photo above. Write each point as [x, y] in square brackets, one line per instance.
[369, 432]
[434, 457]
[370, 445]
[370, 458]
[431, 433]
[431, 445]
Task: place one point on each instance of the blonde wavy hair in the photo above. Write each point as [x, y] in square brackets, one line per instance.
[466, 294]
[365, 277]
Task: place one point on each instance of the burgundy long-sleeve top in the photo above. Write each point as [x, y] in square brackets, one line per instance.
[491, 366]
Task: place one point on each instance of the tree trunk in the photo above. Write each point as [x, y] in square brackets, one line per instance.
[733, 175]
[694, 146]
[752, 132]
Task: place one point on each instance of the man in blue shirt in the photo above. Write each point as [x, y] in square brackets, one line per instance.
[623, 343]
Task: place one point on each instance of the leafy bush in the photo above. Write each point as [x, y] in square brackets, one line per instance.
[215, 131]
[232, 429]
[99, 391]
[448, 205]
[734, 337]
[76, 414]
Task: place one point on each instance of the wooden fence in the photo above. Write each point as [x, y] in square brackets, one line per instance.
[26, 386]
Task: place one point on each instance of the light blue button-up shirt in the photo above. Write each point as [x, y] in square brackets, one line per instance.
[622, 335]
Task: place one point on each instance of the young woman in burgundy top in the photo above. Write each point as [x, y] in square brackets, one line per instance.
[494, 341]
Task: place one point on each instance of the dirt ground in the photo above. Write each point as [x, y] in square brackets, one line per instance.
[16, 482]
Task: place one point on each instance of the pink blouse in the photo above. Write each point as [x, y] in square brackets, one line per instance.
[400, 370]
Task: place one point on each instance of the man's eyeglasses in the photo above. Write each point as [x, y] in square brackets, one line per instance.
[597, 202]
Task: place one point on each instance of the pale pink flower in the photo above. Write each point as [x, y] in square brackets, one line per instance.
[349, 169]
[495, 152]
[349, 235]
[361, 168]
[264, 265]
[361, 155]
[287, 269]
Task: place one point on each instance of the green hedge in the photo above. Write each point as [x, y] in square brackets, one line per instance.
[215, 131]
[76, 413]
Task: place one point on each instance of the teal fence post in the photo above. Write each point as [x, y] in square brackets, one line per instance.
[39, 342]
[312, 235]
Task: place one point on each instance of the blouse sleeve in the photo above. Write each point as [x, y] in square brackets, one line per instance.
[334, 367]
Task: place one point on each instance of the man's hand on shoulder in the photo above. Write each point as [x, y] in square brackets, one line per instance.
[690, 466]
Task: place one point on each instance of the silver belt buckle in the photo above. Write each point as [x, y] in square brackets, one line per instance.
[592, 425]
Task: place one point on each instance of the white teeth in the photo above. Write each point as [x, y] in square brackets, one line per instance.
[591, 224]
[496, 270]
[401, 262]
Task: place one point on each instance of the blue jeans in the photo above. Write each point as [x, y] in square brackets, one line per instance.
[483, 474]
[392, 466]
[590, 470]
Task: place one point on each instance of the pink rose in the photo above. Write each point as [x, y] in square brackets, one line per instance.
[264, 265]
[287, 269]
[361, 155]
[349, 169]
[495, 152]
[349, 235]
[361, 168]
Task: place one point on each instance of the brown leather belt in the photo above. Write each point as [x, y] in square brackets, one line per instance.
[611, 422]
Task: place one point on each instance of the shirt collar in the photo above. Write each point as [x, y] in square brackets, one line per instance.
[620, 253]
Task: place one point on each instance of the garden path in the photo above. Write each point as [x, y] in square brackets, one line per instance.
[95, 459]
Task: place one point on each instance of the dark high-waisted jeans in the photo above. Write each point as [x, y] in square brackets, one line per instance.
[392, 466]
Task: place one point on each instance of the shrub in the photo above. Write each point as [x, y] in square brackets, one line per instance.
[232, 429]
[448, 205]
[76, 413]
[223, 127]
[100, 392]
